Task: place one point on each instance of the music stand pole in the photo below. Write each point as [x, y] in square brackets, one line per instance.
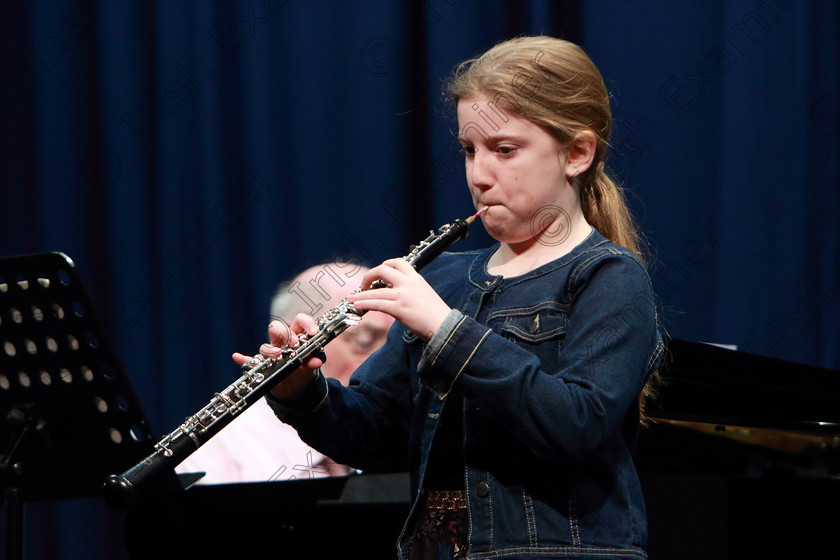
[11, 475]
[14, 523]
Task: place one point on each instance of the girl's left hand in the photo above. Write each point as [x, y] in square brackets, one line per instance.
[409, 299]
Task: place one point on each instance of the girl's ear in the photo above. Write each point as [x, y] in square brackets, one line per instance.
[581, 153]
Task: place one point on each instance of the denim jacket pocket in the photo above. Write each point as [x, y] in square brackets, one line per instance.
[540, 328]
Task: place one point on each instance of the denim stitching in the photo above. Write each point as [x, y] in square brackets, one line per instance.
[601, 254]
[530, 517]
[448, 338]
[490, 505]
[573, 521]
[464, 366]
[657, 352]
[581, 268]
[326, 392]
[528, 337]
[509, 326]
[466, 479]
[520, 311]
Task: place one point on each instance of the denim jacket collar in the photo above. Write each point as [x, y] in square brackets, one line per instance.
[483, 280]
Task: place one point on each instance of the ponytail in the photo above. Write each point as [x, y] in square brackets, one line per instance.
[605, 208]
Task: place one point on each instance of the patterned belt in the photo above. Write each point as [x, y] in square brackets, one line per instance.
[446, 499]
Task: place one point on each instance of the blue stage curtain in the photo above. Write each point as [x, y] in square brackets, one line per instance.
[728, 131]
[191, 155]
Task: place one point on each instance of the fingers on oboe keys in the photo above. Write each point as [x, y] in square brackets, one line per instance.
[281, 334]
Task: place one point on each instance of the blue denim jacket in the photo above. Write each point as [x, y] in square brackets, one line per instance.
[551, 379]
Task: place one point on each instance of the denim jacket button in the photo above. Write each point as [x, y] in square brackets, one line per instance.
[483, 489]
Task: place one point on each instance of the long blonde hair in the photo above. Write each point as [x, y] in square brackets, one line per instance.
[555, 84]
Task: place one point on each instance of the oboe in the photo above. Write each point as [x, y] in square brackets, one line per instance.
[262, 374]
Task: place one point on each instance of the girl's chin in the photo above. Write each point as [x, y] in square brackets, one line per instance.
[502, 234]
[506, 233]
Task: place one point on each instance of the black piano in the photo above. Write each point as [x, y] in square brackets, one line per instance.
[740, 460]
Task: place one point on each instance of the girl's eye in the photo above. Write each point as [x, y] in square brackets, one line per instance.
[506, 150]
[468, 150]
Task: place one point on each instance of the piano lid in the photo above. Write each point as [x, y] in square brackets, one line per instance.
[721, 411]
[706, 383]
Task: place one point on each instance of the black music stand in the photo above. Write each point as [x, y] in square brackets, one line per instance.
[69, 416]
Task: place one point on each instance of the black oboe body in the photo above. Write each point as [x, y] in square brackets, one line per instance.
[258, 380]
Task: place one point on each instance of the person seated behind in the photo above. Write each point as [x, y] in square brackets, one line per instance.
[257, 447]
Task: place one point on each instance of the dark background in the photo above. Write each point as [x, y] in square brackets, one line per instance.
[191, 155]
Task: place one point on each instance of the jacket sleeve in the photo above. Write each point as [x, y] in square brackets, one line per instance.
[611, 345]
[365, 424]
